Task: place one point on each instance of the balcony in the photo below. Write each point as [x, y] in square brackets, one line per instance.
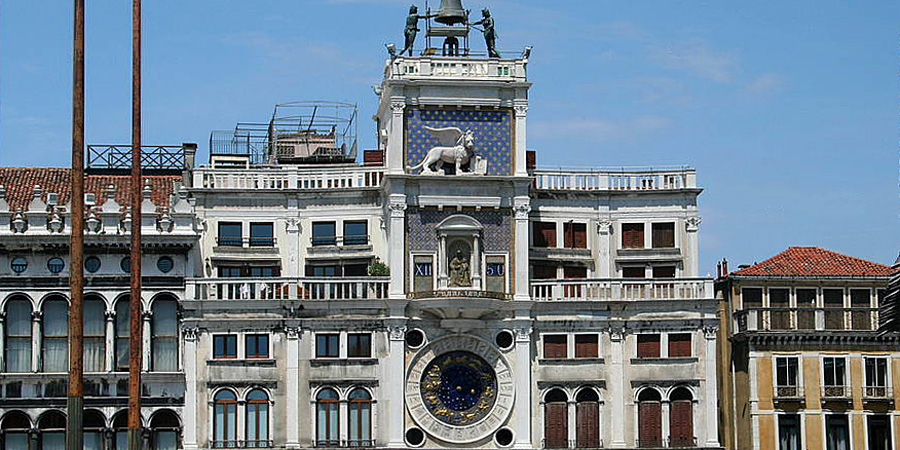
[621, 289]
[289, 178]
[836, 393]
[475, 68]
[288, 289]
[682, 442]
[637, 179]
[322, 241]
[806, 319]
[242, 444]
[225, 241]
[344, 444]
[878, 394]
[789, 393]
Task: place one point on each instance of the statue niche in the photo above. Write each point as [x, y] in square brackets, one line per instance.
[460, 268]
[460, 253]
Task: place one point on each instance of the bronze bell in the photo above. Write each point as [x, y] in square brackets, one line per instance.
[451, 12]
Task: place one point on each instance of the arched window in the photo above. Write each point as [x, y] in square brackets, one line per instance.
[225, 420]
[681, 418]
[257, 419]
[122, 326]
[164, 427]
[164, 336]
[94, 423]
[15, 426]
[52, 426]
[556, 419]
[649, 419]
[56, 335]
[94, 334]
[18, 335]
[360, 420]
[120, 430]
[587, 419]
[327, 418]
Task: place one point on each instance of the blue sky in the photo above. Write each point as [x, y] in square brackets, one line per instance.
[789, 110]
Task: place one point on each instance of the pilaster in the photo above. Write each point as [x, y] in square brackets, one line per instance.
[692, 227]
[36, 343]
[397, 244]
[711, 394]
[292, 387]
[617, 393]
[147, 316]
[2, 333]
[110, 353]
[523, 386]
[522, 207]
[604, 248]
[521, 148]
[190, 392]
[396, 365]
[395, 162]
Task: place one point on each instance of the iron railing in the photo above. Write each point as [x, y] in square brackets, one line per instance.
[788, 392]
[153, 157]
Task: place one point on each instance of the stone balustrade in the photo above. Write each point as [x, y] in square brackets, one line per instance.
[289, 178]
[799, 319]
[649, 179]
[621, 289]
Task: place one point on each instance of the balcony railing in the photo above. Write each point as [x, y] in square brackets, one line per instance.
[836, 392]
[876, 393]
[799, 319]
[557, 443]
[682, 442]
[354, 443]
[639, 179]
[621, 289]
[357, 239]
[289, 178]
[228, 241]
[789, 392]
[457, 67]
[242, 444]
[307, 288]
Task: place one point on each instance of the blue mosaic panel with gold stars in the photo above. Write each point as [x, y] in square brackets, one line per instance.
[492, 128]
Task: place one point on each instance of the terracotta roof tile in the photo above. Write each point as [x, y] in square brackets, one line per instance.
[20, 182]
[814, 262]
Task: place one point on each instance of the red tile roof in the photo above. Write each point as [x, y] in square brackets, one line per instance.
[814, 262]
[20, 181]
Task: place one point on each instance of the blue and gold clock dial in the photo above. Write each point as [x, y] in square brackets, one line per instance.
[459, 388]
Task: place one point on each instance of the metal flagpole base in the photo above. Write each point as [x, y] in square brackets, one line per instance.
[75, 435]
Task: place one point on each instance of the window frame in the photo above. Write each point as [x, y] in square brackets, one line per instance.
[262, 241]
[226, 337]
[570, 235]
[328, 336]
[690, 344]
[257, 337]
[355, 239]
[886, 360]
[363, 355]
[628, 245]
[653, 235]
[544, 345]
[658, 345]
[229, 240]
[596, 342]
[538, 228]
[228, 405]
[323, 241]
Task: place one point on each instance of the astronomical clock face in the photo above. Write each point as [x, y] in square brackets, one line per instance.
[459, 389]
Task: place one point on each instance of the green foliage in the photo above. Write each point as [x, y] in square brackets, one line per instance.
[379, 269]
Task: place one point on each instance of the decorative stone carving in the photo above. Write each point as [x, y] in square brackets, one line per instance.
[165, 223]
[19, 223]
[55, 223]
[710, 332]
[190, 333]
[396, 332]
[292, 332]
[692, 224]
[93, 222]
[292, 225]
[37, 316]
[617, 334]
[523, 334]
[522, 211]
[521, 110]
[109, 316]
[460, 273]
[125, 225]
[398, 209]
[604, 226]
[456, 147]
[398, 107]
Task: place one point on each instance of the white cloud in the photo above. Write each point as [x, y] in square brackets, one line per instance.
[765, 84]
[697, 57]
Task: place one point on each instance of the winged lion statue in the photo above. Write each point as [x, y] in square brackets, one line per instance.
[456, 147]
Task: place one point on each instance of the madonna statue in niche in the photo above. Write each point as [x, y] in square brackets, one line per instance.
[460, 275]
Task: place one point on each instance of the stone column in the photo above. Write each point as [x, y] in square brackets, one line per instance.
[522, 209]
[603, 267]
[395, 162]
[190, 389]
[665, 406]
[617, 388]
[476, 263]
[36, 340]
[2, 340]
[522, 376]
[343, 410]
[110, 354]
[145, 337]
[692, 266]
[570, 418]
[397, 245]
[521, 147]
[396, 363]
[292, 388]
[711, 392]
[442, 262]
[293, 234]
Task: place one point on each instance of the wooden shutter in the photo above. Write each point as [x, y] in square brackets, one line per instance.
[663, 235]
[575, 235]
[556, 425]
[587, 425]
[681, 424]
[555, 346]
[543, 234]
[679, 345]
[650, 424]
[648, 346]
[586, 346]
[633, 235]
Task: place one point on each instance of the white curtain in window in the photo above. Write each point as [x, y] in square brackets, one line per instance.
[16, 440]
[122, 327]
[53, 441]
[121, 440]
[837, 434]
[56, 343]
[18, 336]
[165, 336]
[360, 415]
[94, 335]
[165, 440]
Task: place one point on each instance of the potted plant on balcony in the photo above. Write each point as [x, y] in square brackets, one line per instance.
[378, 269]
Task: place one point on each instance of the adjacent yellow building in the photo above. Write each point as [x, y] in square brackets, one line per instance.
[801, 363]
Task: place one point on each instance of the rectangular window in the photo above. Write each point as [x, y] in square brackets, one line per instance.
[861, 318]
[876, 378]
[789, 432]
[835, 378]
[786, 378]
[230, 234]
[359, 345]
[751, 298]
[680, 345]
[264, 271]
[256, 345]
[543, 234]
[806, 304]
[543, 272]
[837, 432]
[224, 346]
[779, 301]
[648, 346]
[262, 235]
[663, 271]
[229, 271]
[496, 273]
[833, 299]
[586, 346]
[879, 432]
[327, 345]
[556, 346]
[423, 273]
[356, 232]
[575, 235]
[324, 233]
[663, 235]
[634, 272]
[632, 235]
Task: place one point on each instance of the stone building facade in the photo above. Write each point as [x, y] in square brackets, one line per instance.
[802, 364]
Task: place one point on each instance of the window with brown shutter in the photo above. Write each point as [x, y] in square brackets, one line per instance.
[663, 271]
[751, 298]
[586, 346]
[556, 425]
[575, 235]
[543, 272]
[680, 345]
[556, 346]
[664, 235]
[648, 346]
[649, 424]
[587, 419]
[681, 419]
[634, 272]
[543, 234]
[632, 235]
